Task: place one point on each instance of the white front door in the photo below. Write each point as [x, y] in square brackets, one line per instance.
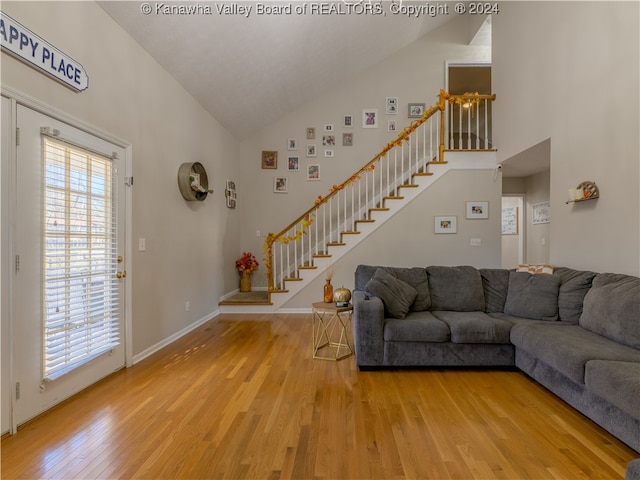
[68, 322]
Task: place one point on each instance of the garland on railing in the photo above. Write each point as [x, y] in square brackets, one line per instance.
[460, 99]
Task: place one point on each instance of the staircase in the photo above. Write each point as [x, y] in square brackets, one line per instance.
[351, 211]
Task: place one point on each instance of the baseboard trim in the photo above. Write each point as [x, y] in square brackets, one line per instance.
[167, 341]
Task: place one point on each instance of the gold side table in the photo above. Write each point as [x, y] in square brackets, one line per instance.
[330, 335]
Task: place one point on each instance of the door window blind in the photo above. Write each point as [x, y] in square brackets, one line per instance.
[80, 289]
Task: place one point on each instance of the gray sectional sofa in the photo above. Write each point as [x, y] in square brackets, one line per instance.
[575, 332]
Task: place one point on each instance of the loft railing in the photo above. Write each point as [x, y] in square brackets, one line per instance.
[336, 215]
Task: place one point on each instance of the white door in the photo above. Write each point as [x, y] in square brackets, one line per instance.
[68, 321]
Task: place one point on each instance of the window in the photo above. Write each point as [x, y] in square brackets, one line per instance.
[80, 289]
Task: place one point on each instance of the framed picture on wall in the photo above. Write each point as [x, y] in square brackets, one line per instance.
[313, 172]
[477, 210]
[416, 110]
[510, 221]
[311, 133]
[292, 144]
[445, 224]
[293, 164]
[541, 213]
[347, 121]
[269, 159]
[280, 185]
[369, 118]
[392, 105]
[311, 150]
[347, 139]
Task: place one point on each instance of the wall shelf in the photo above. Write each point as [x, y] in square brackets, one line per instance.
[583, 192]
[193, 182]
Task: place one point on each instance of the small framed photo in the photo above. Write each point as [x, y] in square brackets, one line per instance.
[541, 213]
[313, 172]
[347, 121]
[370, 118]
[328, 127]
[280, 185]
[347, 139]
[328, 153]
[269, 159]
[328, 140]
[311, 133]
[311, 150]
[230, 194]
[292, 144]
[392, 105]
[392, 126]
[446, 224]
[293, 164]
[477, 210]
[416, 110]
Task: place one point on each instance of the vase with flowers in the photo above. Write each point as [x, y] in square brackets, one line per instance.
[246, 265]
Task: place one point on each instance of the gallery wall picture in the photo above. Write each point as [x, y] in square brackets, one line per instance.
[280, 185]
[313, 172]
[541, 213]
[392, 105]
[347, 121]
[293, 164]
[370, 118]
[416, 110]
[230, 194]
[347, 139]
[510, 221]
[292, 144]
[311, 133]
[477, 210]
[311, 150]
[270, 159]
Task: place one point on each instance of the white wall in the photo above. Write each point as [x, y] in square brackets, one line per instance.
[569, 71]
[414, 74]
[190, 247]
[538, 235]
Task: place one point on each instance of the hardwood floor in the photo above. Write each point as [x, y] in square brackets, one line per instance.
[241, 397]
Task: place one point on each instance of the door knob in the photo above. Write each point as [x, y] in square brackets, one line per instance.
[121, 274]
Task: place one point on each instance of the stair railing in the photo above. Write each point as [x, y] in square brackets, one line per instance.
[336, 215]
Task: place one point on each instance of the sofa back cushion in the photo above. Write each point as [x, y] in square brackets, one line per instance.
[456, 288]
[533, 296]
[414, 276]
[612, 308]
[573, 287]
[495, 282]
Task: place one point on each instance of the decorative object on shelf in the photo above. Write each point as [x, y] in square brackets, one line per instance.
[193, 182]
[584, 191]
[328, 288]
[342, 296]
[246, 265]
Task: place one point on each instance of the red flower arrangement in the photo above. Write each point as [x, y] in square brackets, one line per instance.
[247, 262]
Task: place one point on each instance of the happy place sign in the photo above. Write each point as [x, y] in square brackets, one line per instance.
[22, 43]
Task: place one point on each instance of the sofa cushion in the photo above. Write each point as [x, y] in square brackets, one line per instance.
[475, 327]
[414, 276]
[574, 285]
[396, 295]
[416, 327]
[567, 348]
[495, 283]
[533, 296]
[456, 288]
[616, 382]
[612, 308]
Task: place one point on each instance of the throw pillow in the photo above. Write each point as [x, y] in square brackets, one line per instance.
[533, 296]
[535, 269]
[396, 295]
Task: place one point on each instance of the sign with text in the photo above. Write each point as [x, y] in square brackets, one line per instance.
[22, 43]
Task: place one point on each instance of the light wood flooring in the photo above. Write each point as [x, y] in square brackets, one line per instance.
[241, 397]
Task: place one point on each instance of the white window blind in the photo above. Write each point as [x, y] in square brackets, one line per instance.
[80, 294]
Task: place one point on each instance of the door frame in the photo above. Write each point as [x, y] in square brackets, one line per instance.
[7, 225]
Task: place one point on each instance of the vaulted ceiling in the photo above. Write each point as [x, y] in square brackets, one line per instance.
[250, 70]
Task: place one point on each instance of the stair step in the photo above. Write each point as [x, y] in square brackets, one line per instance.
[350, 232]
[307, 267]
[365, 220]
[393, 197]
[336, 244]
[435, 162]
[411, 185]
[322, 255]
[293, 279]
[379, 209]
[422, 174]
